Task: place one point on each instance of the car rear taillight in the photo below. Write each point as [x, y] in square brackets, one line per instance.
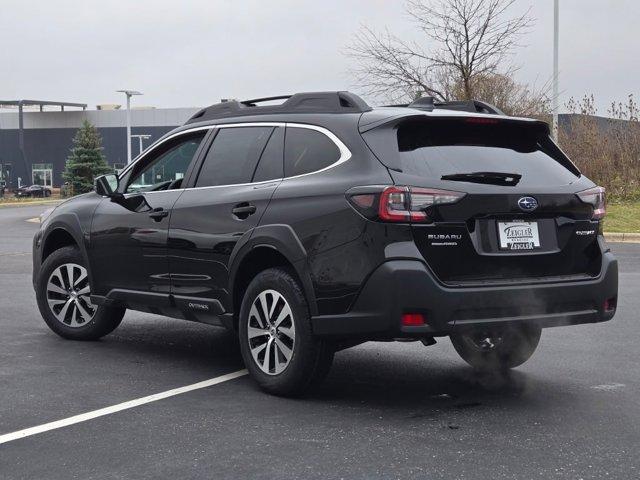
[595, 197]
[400, 203]
[395, 206]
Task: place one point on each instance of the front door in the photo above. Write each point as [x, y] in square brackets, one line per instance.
[128, 248]
[231, 191]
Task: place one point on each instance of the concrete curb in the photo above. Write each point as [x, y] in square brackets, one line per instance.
[622, 237]
[30, 204]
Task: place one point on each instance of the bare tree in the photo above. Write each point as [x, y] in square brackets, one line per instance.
[387, 66]
[466, 39]
[511, 97]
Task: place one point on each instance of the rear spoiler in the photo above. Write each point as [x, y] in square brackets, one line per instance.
[396, 117]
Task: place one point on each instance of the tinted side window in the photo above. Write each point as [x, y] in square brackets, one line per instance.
[308, 151]
[233, 156]
[272, 160]
[165, 169]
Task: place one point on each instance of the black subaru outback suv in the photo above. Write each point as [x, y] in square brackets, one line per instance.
[321, 223]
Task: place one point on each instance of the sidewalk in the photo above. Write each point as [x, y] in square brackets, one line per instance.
[622, 237]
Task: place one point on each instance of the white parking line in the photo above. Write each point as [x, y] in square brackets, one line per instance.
[83, 417]
[609, 387]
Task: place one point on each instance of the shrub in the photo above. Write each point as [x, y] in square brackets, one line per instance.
[606, 149]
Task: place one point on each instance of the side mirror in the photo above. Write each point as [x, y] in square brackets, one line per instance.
[107, 185]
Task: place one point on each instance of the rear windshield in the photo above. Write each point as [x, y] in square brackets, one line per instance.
[442, 147]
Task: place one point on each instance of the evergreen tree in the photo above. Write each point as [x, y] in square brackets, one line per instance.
[86, 160]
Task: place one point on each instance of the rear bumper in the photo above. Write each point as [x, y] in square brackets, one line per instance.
[407, 286]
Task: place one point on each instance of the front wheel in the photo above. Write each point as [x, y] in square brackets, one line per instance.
[276, 341]
[499, 349]
[64, 298]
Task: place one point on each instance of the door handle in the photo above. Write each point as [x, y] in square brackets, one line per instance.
[159, 213]
[243, 210]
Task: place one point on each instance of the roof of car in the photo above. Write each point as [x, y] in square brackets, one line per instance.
[324, 106]
[340, 112]
[307, 103]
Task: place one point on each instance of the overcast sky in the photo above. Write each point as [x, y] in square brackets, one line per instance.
[192, 53]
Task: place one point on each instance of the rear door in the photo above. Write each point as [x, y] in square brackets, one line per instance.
[226, 199]
[519, 217]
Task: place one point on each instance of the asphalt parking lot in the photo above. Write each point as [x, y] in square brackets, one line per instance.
[385, 411]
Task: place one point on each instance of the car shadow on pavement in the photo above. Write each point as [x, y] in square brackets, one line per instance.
[391, 378]
[176, 339]
[425, 385]
[174, 350]
[433, 386]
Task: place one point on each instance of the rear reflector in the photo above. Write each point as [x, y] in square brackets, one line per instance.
[412, 319]
[364, 200]
[610, 304]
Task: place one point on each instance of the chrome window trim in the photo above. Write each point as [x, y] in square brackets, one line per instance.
[250, 124]
[274, 180]
[129, 194]
[345, 153]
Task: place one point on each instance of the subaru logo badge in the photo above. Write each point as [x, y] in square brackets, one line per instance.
[528, 204]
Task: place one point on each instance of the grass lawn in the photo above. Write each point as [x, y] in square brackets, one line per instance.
[623, 217]
[9, 199]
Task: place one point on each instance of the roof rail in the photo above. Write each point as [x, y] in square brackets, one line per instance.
[475, 106]
[309, 102]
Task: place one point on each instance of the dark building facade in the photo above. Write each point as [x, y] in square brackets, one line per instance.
[47, 139]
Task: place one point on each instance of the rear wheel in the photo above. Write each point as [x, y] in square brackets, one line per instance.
[63, 293]
[276, 340]
[500, 349]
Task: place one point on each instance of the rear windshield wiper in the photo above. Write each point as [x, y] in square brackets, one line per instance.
[489, 178]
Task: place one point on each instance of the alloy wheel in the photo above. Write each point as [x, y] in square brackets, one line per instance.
[68, 295]
[271, 332]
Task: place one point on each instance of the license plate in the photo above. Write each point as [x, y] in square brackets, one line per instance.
[518, 235]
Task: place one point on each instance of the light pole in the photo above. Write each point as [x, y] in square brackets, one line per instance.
[556, 27]
[129, 94]
[140, 138]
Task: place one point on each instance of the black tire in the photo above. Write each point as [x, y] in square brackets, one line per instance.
[507, 348]
[104, 320]
[47, 193]
[311, 359]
